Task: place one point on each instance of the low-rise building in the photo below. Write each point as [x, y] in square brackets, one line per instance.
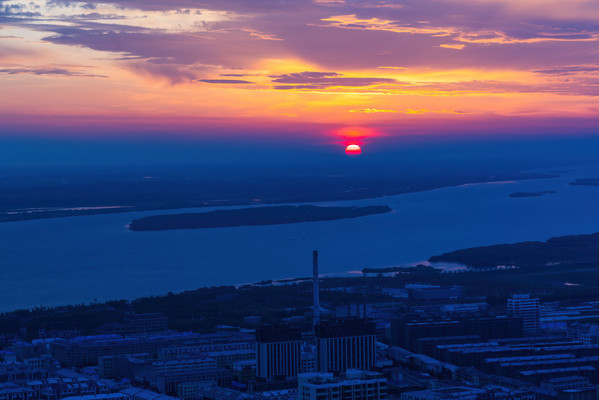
[354, 384]
[12, 391]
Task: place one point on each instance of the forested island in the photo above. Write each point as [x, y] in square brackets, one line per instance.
[555, 251]
[252, 216]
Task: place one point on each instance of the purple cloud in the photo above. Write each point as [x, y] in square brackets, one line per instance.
[323, 80]
[48, 70]
[225, 81]
[569, 70]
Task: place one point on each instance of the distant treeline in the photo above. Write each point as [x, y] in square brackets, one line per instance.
[386, 270]
[558, 250]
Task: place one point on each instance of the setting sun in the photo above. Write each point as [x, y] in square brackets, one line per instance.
[353, 150]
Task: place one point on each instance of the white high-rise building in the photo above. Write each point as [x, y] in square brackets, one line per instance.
[278, 352]
[527, 308]
[345, 344]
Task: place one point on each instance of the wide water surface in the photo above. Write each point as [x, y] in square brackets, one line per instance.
[79, 259]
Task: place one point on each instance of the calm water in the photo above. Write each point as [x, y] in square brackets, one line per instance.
[76, 260]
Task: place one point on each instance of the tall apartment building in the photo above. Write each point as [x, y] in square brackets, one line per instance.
[278, 352]
[527, 308]
[352, 385]
[344, 344]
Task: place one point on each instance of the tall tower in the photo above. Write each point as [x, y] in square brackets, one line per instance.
[316, 307]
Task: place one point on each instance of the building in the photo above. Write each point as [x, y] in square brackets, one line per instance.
[8, 357]
[244, 371]
[415, 335]
[12, 391]
[354, 384]
[184, 364]
[134, 393]
[21, 373]
[107, 396]
[106, 367]
[344, 344]
[146, 323]
[137, 324]
[278, 352]
[169, 382]
[309, 359]
[587, 393]
[565, 383]
[463, 307]
[86, 350]
[226, 359]
[468, 393]
[129, 367]
[526, 307]
[585, 332]
[449, 393]
[236, 342]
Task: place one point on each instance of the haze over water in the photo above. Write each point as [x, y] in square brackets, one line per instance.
[79, 259]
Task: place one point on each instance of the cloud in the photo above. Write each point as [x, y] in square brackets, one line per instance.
[426, 111]
[454, 46]
[569, 70]
[580, 87]
[103, 13]
[172, 73]
[391, 67]
[551, 9]
[464, 34]
[224, 81]
[50, 70]
[352, 21]
[358, 34]
[408, 111]
[322, 80]
[360, 4]
[238, 75]
[372, 111]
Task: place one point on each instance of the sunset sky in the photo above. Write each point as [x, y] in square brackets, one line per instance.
[298, 68]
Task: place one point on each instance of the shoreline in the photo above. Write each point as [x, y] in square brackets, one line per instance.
[39, 213]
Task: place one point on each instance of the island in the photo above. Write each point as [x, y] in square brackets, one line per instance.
[531, 194]
[585, 182]
[562, 250]
[252, 216]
